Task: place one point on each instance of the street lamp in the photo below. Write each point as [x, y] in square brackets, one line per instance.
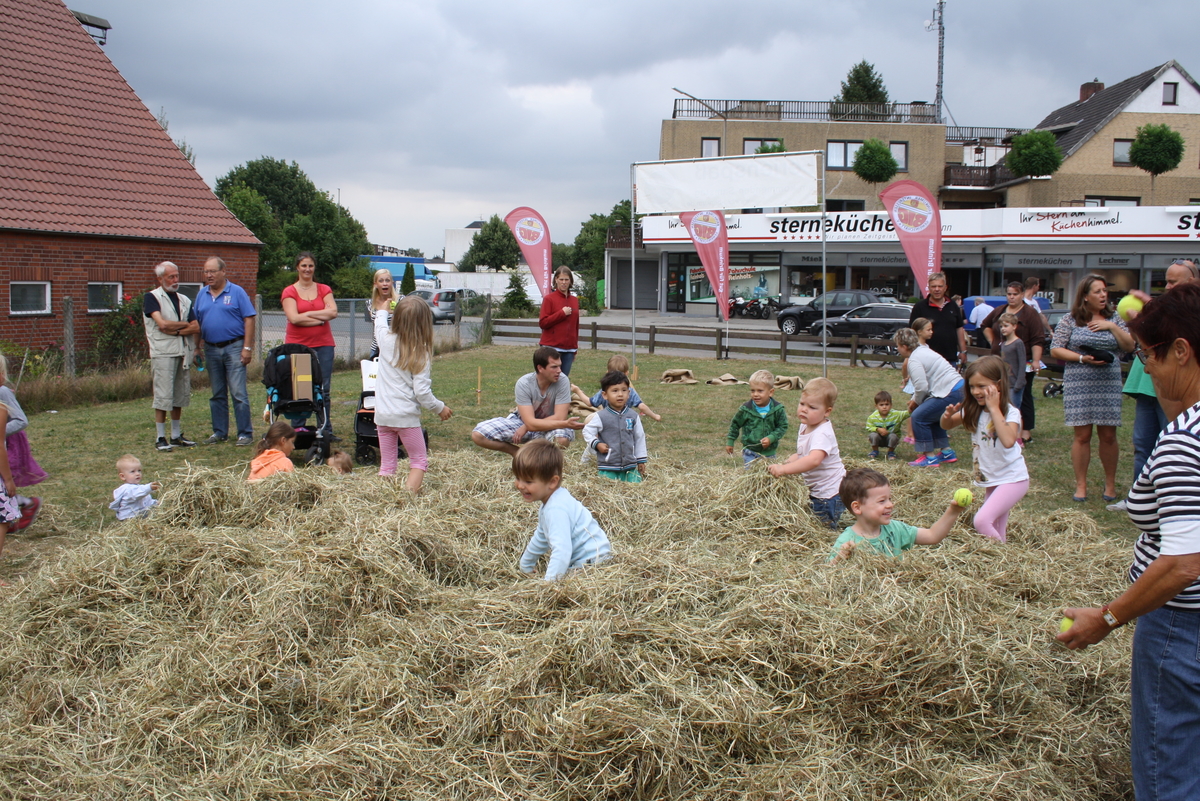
[721, 114]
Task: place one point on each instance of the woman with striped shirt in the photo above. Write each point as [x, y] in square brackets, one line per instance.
[1164, 595]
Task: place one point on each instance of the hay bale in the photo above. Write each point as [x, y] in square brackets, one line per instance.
[318, 637]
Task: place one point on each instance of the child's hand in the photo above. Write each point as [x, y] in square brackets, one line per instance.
[775, 470]
[445, 413]
[729, 449]
[912, 405]
[765, 442]
[642, 469]
[601, 447]
[883, 432]
[155, 486]
[10, 487]
[991, 397]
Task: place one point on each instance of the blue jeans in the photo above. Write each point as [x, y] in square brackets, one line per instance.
[568, 358]
[325, 359]
[828, 510]
[749, 456]
[1149, 420]
[228, 375]
[1165, 688]
[927, 422]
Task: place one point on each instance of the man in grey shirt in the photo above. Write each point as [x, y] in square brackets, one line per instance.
[543, 402]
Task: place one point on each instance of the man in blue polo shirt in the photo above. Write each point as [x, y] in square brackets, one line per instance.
[226, 318]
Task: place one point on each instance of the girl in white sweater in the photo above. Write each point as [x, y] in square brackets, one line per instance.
[937, 385]
[403, 386]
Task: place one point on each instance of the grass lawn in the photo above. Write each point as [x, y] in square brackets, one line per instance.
[78, 447]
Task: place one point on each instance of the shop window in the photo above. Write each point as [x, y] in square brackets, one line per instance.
[1170, 94]
[840, 155]
[710, 148]
[845, 205]
[103, 297]
[1121, 152]
[900, 154]
[751, 145]
[29, 297]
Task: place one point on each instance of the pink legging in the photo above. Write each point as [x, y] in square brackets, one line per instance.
[992, 518]
[413, 441]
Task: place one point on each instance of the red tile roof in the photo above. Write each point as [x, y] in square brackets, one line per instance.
[79, 152]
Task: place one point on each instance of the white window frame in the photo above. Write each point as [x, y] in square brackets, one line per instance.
[747, 150]
[1118, 162]
[704, 145]
[120, 288]
[27, 312]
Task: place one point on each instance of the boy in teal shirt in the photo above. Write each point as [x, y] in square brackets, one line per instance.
[883, 425]
[761, 421]
[868, 497]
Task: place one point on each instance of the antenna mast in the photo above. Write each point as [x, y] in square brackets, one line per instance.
[938, 20]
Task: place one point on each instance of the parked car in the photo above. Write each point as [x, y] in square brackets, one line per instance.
[445, 302]
[796, 318]
[876, 320]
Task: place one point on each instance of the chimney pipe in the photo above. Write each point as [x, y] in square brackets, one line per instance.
[1090, 88]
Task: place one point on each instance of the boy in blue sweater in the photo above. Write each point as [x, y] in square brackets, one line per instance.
[615, 432]
[565, 527]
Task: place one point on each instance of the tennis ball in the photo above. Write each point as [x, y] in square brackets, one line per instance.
[963, 497]
[1129, 305]
[1065, 625]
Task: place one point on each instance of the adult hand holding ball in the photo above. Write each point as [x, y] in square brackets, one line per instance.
[1129, 306]
[963, 497]
[1065, 625]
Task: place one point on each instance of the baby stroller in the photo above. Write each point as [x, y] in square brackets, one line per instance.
[277, 378]
[366, 434]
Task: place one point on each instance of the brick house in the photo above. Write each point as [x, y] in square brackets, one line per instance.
[93, 192]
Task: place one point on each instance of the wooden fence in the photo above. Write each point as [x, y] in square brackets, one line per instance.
[715, 341]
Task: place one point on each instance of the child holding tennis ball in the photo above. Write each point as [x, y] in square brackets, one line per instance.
[995, 426]
[868, 497]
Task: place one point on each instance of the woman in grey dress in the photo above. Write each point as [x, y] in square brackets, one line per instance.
[1092, 382]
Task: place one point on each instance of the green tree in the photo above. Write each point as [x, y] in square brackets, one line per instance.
[874, 162]
[863, 85]
[516, 302]
[773, 147]
[188, 152]
[416, 253]
[1034, 153]
[251, 208]
[354, 280]
[287, 190]
[593, 236]
[408, 284]
[1156, 149]
[330, 233]
[494, 247]
[562, 254]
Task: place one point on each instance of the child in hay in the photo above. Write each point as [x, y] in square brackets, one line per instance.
[274, 452]
[868, 496]
[340, 463]
[620, 363]
[615, 432]
[817, 457]
[404, 387]
[25, 469]
[565, 527]
[760, 422]
[132, 498]
[883, 425]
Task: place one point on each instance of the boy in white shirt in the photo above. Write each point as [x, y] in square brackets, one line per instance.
[817, 457]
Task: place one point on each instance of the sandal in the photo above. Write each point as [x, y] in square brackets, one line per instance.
[1109, 498]
[1077, 499]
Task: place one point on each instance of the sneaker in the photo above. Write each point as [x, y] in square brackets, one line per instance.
[947, 456]
[163, 445]
[181, 442]
[243, 441]
[873, 455]
[908, 441]
[214, 439]
[892, 456]
[29, 513]
[926, 461]
[1119, 506]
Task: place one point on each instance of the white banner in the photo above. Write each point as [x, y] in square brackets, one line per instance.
[737, 182]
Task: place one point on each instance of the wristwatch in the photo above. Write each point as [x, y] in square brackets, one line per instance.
[1109, 617]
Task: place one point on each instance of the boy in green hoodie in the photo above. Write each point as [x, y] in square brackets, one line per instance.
[760, 422]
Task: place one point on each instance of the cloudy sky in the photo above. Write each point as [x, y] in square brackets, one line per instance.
[429, 115]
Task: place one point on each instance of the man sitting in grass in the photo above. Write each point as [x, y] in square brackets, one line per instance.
[543, 402]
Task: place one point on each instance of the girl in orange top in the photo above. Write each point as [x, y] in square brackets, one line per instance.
[274, 452]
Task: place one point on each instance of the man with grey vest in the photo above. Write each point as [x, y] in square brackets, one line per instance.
[170, 324]
[615, 432]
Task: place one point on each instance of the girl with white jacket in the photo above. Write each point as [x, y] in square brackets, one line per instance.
[403, 386]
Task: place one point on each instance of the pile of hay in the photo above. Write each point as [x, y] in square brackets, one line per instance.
[310, 637]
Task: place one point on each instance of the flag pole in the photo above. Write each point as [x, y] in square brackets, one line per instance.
[632, 267]
[824, 289]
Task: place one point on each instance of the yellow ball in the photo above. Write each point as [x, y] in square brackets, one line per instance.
[963, 497]
[1129, 304]
[1065, 625]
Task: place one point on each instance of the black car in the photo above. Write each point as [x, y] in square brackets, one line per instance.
[795, 319]
[876, 320]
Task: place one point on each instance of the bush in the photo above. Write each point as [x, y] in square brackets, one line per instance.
[516, 302]
[120, 335]
[353, 281]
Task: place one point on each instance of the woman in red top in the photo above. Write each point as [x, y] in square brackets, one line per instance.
[309, 307]
[560, 319]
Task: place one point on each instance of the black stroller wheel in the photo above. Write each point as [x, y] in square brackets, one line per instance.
[364, 453]
[315, 456]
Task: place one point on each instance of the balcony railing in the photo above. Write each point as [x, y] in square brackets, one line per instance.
[618, 237]
[823, 110]
[984, 177]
